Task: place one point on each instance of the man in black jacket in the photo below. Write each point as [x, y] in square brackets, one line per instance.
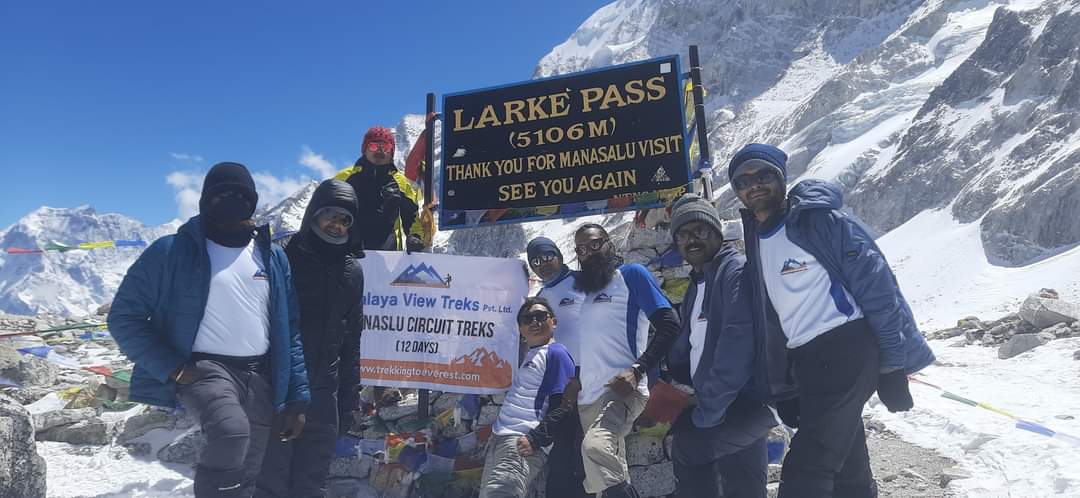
[720, 442]
[329, 283]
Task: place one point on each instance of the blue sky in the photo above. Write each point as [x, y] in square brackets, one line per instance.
[121, 105]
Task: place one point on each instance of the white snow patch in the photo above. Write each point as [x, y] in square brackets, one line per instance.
[1039, 385]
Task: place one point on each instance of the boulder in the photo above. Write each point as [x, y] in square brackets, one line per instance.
[1076, 355]
[643, 449]
[353, 467]
[653, 480]
[56, 418]
[26, 370]
[184, 449]
[91, 431]
[1043, 312]
[1019, 344]
[1060, 331]
[138, 425]
[22, 470]
[407, 406]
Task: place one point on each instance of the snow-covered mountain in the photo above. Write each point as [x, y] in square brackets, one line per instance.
[910, 104]
[69, 283]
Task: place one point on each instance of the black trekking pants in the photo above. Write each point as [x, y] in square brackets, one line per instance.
[235, 409]
[298, 468]
[836, 373]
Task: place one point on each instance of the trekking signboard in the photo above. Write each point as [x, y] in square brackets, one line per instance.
[436, 321]
[585, 143]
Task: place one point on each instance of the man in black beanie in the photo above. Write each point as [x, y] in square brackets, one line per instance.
[209, 318]
[719, 444]
[329, 283]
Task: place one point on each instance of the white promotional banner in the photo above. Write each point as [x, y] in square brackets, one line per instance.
[442, 322]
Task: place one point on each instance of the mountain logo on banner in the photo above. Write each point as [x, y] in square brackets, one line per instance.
[422, 275]
[661, 176]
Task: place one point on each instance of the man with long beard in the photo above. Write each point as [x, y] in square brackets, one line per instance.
[621, 302]
[209, 317]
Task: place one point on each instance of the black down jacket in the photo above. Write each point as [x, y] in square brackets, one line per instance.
[329, 284]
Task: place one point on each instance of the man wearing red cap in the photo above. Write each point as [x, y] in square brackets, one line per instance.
[388, 202]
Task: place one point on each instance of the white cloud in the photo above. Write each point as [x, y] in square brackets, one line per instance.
[186, 158]
[317, 163]
[273, 189]
[188, 185]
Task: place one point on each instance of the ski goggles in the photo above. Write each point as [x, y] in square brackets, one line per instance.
[385, 147]
[334, 214]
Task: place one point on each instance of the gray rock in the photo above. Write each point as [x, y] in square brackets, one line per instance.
[138, 425]
[1076, 355]
[356, 467]
[1019, 344]
[488, 415]
[1041, 312]
[1059, 331]
[970, 322]
[22, 470]
[946, 333]
[349, 488]
[27, 370]
[406, 407]
[642, 449]
[26, 395]
[184, 449]
[138, 449]
[91, 431]
[774, 472]
[653, 480]
[48, 420]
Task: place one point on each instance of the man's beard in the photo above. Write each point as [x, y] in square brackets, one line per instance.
[596, 272]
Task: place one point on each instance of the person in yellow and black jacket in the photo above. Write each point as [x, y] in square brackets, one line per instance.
[388, 202]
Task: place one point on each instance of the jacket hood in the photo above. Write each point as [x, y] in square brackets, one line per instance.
[330, 193]
[815, 194]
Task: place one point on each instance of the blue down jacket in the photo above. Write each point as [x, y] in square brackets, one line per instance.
[160, 303]
[848, 253]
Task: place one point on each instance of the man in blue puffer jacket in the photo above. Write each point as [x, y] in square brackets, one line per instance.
[210, 319]
[848, 328]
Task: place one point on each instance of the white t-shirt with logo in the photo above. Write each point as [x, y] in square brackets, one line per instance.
[615, 329]
[698, 326]
[236, 321]
[567, 302]
[806, 298]
[545, 371]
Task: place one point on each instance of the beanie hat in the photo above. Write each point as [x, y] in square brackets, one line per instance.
[541, 245]
[378, 134]
[228, 176]
[758, 155]
[689, 208]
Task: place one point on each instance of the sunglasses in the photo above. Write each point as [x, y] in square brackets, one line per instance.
[534, 317]
[543, 258]
[684, 235]
[380, 146]
[764, 177]
[591, 246]
[343, 219]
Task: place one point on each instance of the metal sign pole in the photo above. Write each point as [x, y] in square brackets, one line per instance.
[704, 158]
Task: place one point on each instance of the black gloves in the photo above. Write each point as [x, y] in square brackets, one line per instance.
[391, 196]
[788, 410]
[893, 391]
[413, 243]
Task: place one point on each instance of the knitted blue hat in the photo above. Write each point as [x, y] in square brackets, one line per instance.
[756, 155]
